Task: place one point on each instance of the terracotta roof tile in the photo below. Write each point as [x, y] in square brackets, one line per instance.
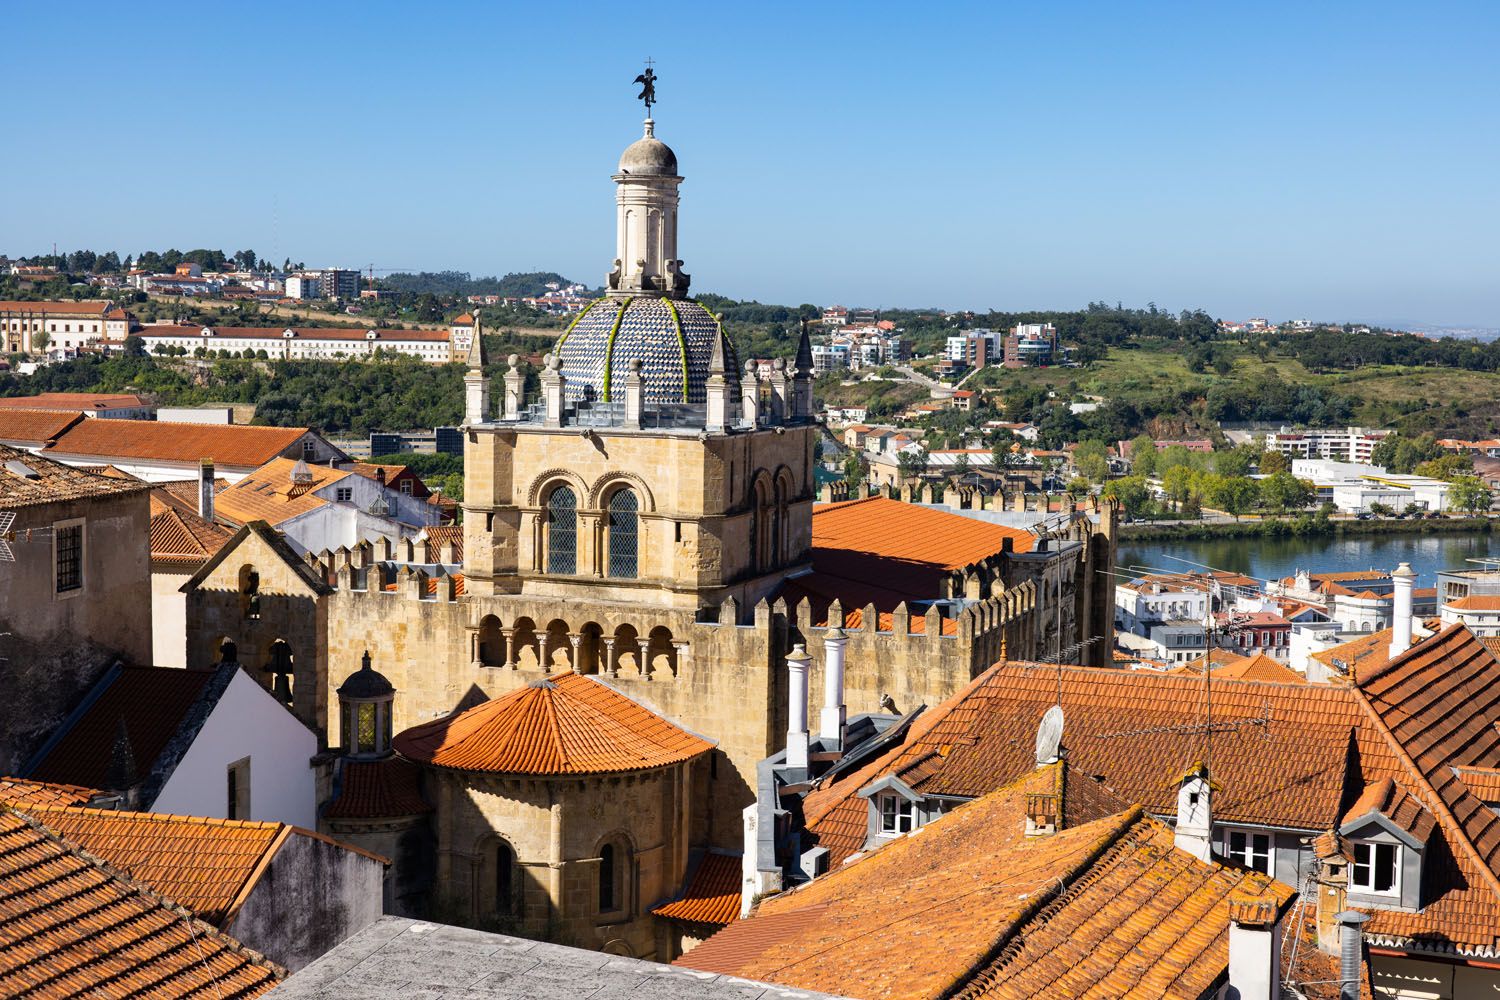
[33, 480]
[152, 702]
[268, 494]
[35, 428]
[1259, 667]
[76, 401]
[181, 537]
[202, 864]
[228, 445]
[443, 534]
[973, 907]
[1284, 764]
[1393, 802]
[1476, 602]
[72, 927]
[566, 724]
[19, 793]
[1360, 655]
[58, 308]
[712, 895]
[378, 789]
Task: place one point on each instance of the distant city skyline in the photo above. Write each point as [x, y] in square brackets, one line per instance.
[1334, 164]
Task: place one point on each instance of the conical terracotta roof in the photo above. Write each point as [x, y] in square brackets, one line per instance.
[564, 725]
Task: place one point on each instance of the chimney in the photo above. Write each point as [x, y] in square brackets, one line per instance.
[206, 489]
[796, 717]
[831, 723]
[1254, 949]
[1332, 883]
[1404, 579]
[1041, 814]
[1194, 816]
[1351, 953]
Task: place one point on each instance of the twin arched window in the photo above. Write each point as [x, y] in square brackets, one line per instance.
[622, 533]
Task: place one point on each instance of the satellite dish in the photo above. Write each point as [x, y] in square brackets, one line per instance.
[1049, 736]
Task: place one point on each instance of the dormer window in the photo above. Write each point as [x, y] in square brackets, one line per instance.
[897, 815]
[1248, 849]
[1376, 869]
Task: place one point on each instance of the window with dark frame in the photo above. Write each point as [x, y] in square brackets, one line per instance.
[69, 542]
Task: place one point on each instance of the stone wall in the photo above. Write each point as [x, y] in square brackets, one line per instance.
[54, 646]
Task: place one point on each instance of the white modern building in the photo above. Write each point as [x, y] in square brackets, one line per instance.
[1347, 444]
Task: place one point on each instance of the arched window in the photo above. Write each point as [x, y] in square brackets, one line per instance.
[505, 880]
[609, 896]
[624, 535]
[562, 531]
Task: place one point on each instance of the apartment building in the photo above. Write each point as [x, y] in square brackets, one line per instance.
[1346, 444]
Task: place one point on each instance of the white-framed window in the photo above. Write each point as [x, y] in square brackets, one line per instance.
[68, 556]
[1376, 868]
[897, 815]
[1248, 848]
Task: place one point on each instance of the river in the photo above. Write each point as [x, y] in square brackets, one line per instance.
[1273, 558]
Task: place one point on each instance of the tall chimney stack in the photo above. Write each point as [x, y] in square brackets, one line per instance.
[1351, 953]
[1254, 949]
[831, 722]
[206, 489]
[796, 717]
[1194, 830]
[1405, 580]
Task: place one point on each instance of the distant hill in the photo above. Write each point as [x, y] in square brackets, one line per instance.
[462, 283]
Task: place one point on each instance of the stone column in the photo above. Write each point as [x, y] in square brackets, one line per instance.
[682, 650]
[576, 640]
[610, 666]
[508, 634]
[514, 384]
[474, 660]
[750, 396]
[634, 394]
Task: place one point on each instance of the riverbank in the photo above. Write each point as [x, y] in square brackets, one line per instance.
[1302, 527]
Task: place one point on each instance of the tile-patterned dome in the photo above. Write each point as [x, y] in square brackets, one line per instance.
[674, 338]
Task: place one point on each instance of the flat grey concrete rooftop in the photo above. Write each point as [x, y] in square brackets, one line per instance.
[400, 958]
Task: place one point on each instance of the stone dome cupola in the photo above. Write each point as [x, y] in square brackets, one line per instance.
[365, 701]
[648, 156]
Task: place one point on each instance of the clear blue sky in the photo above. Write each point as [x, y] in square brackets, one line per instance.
[1333, 161]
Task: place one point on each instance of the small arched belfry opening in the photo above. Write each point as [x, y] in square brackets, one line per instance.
[365, 702]
[528, 782]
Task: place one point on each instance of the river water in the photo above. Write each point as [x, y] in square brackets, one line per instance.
[1273, 558]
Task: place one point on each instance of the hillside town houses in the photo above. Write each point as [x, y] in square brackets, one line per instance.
[666, 705]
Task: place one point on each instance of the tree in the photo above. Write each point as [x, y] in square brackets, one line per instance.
[1177, 483]
[134, 346]
[961, 465]
[40, 340]
[854, 469]
[1235, 461]
[1143, 455]
[1133, 493]
[1401, 454]
[1234, 494]
[1469, 493]
[1272, 462]
[1284, 491]
[1382, 510]
[1091, 459]
[1448, 467]
[911, 462]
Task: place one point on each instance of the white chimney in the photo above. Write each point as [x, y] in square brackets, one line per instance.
[1404, 580]
[1254, 950]
[206, 489]
[796, 717]
[831, 723]
[1194, 830]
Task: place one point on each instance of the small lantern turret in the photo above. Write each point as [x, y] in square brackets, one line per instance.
[365, 702]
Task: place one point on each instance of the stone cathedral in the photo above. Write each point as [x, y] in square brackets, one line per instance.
[551, 722]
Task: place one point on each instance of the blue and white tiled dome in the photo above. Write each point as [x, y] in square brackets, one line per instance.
[674, 338]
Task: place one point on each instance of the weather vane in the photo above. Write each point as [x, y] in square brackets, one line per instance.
[647, 80]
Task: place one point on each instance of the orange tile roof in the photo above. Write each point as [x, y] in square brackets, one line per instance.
[1389, 799]
[1362, 654]
[443, 534]
[151, 701]
[228, 445]
[378, 789]
[1476, 602]
[1134, 729]
[1259, 667]
[712, 895]
[19, 792]
[70, 926]
[973, 907]
[181, 537]
[35, 427]
[75, 401]
[1436, 705]
[53, 482]
[206, 865]
[59, 308]
[268, 494]
[564, 724]
[1484, 782]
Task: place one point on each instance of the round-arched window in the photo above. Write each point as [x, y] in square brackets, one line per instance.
[562, 531]
[624, 535]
